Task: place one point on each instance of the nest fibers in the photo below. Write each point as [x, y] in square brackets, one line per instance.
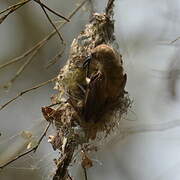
[91, 94]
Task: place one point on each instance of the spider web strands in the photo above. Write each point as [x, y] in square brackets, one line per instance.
[24, 143]
[29, 151]
[43, 41]
[126, 130]
[26, 91]
[149, 127]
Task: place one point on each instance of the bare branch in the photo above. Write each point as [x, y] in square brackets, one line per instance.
[21, 69]
[77, 9]
[54, 12]
[19, 58]
[43, 41]
[31, 150]
[14, 6]
[85, 173]
[26, 91]
[109, 7]
[92, 10]
[11, 9]
[52, 23]
[174, 40]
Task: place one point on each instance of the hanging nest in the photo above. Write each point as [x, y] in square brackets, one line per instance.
[91, 97]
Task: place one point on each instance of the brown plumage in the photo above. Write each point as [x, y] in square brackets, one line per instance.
[107, 85]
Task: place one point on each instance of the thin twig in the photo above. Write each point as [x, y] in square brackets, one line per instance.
[54, 104]
[54, 12]
[92, 10]
[45, 12]
[14, 6]
[26, 91]
[58, 22]
[64, 161]
[85, 173]
[174, 40]
[22, 68]
[55, 59]
[70, 177]
[43, 135]
[17, 59]
[12, 9]
[77, 9]
[31, 150]
[43, 41]
[109, 6]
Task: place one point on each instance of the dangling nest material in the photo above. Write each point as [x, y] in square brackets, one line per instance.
[91, 94]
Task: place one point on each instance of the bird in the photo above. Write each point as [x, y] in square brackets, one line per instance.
[105, 86]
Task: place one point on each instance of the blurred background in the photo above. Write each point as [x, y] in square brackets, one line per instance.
[147, 147]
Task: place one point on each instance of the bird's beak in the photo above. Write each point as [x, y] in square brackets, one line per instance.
[87, 61]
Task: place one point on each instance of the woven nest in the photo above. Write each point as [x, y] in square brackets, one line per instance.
[72, 82]
[92, 99]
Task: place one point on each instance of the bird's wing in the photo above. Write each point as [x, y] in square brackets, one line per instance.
[95, 98]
